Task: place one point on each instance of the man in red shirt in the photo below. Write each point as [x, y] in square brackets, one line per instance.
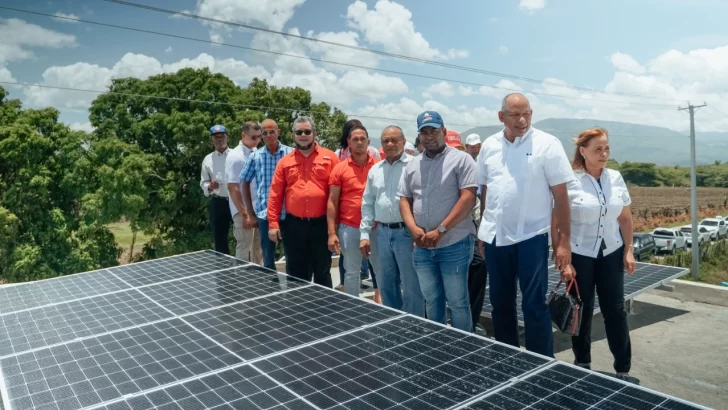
[301, 179]
[347, 183]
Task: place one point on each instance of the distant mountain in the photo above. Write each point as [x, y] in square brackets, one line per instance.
[633, 142]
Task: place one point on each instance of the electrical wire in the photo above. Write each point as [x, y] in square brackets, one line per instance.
[267, 108]
[383, 53]
[334, 62]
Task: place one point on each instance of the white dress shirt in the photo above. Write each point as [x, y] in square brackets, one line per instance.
[213, 163]
[594, 212]
[380, 201]
[236, 160]
[519, 176]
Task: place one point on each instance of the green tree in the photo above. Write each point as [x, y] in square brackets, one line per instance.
[174, 131]
[640, 173]
[42, 229]
[613, 164]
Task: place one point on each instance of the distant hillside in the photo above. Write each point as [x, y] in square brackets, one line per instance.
[633, 142]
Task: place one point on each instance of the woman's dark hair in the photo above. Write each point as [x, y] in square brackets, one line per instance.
[344, 140]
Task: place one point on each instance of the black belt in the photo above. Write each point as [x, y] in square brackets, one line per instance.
[215, 196]
[317, 218]
[396, 225]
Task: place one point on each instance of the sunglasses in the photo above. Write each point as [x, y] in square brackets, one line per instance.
[268, 132]
[304, 132]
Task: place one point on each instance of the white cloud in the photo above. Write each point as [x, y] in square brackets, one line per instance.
[390, 25]
[81, 126]
[63, 17]
[500, 90]
[17, 36]
[443, 88]
[94, 77]
[6, 75]
[503, 50]
[168, 50]
[532, 5]
[626, 62]
[270, 14]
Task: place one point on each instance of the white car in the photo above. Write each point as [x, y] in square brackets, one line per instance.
[717, 227]
[669, 240]
[703, 235]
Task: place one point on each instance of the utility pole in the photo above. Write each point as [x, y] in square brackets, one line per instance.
[694, 234]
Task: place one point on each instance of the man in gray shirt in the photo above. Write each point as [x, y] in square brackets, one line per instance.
[437, 195]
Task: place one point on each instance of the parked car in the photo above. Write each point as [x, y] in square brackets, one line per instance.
[703, 235]
[644, 246]
[669, 240]
[717, 228]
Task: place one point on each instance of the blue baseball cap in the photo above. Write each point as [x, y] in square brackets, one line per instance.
[429, 119]
[217, 129]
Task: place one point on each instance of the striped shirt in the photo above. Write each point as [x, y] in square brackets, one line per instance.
[260, 166]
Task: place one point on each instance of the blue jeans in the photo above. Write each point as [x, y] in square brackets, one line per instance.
[526, 263]
[268, 246]
[366, 269]
[443, 275]
[397, 279]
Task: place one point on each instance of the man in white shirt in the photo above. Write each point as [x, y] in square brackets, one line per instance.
[212, 182]
[247, 235]
[523, 174]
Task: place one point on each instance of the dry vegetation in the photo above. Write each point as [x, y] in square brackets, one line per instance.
[653, 207]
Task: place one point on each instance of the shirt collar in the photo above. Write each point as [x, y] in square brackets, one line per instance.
[445, 151]
[315, 149]
[370, 160]
[280, 148]
[246, 149]
[518, 140]
[221, 153]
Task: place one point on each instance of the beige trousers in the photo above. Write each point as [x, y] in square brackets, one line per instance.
[248, 242]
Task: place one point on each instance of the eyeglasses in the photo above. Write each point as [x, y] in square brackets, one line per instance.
[255, 137]
[269, 132]
[302, 132]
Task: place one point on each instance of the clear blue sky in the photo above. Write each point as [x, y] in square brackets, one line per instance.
[671, 50]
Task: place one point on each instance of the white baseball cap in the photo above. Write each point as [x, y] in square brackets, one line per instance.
[473, 139]
[409, 145]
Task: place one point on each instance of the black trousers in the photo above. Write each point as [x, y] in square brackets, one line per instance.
[220, 222]
[606, 275]
[307, 252]
[477, 280]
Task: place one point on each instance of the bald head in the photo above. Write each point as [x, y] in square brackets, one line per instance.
[393, 142]
[515, 114]
[269, 128]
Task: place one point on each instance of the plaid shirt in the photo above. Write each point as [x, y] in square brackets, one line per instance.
[261, 165]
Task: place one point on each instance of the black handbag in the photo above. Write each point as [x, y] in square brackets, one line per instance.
[566, 309]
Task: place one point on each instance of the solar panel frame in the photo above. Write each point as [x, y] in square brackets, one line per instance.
[576, 388]
[630, 291]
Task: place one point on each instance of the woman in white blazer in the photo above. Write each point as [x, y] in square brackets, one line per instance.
[601, 246]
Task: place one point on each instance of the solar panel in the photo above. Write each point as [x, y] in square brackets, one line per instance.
[562, 386]
[219, 288]
[102, 368]
[275, 323]
[62, 289]
[646, 276]
[63, 322]
[175, 267]
[406, 361]
[239, 388]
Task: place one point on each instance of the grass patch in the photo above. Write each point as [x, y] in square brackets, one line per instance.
[123, 234]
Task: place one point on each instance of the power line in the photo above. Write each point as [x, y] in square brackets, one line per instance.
[332, 62]
[383, 53]
[264, 108]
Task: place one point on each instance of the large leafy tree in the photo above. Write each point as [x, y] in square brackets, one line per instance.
[166, 139]
[44, 174]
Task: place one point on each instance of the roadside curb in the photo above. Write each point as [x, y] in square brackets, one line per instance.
[696, 292]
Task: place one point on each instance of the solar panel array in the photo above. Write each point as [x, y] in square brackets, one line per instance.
[645, 277]
[204, 330]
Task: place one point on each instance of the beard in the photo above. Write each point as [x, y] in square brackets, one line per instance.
[304, 147]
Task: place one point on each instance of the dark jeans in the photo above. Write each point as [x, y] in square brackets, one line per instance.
[526, 264]
[268, 246]
[606, 274]
[220, 222]
[477, 280]
[307, 252]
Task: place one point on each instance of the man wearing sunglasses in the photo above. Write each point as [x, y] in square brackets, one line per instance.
[246, 234]
[259, 171]
[301, 182]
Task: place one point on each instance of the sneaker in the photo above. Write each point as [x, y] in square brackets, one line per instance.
[480, 330]
[629, 379]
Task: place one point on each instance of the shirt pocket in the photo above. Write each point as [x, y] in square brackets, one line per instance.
[292, 172]
[320, 170]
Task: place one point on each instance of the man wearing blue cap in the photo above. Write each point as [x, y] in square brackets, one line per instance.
[437, 195]
[212, 182]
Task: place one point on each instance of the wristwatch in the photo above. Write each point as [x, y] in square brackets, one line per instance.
[442, 229]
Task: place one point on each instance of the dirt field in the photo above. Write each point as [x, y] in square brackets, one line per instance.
[653, 207]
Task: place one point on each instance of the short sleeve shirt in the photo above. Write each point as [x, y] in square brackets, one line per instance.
[434, 185]
[352, 179]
